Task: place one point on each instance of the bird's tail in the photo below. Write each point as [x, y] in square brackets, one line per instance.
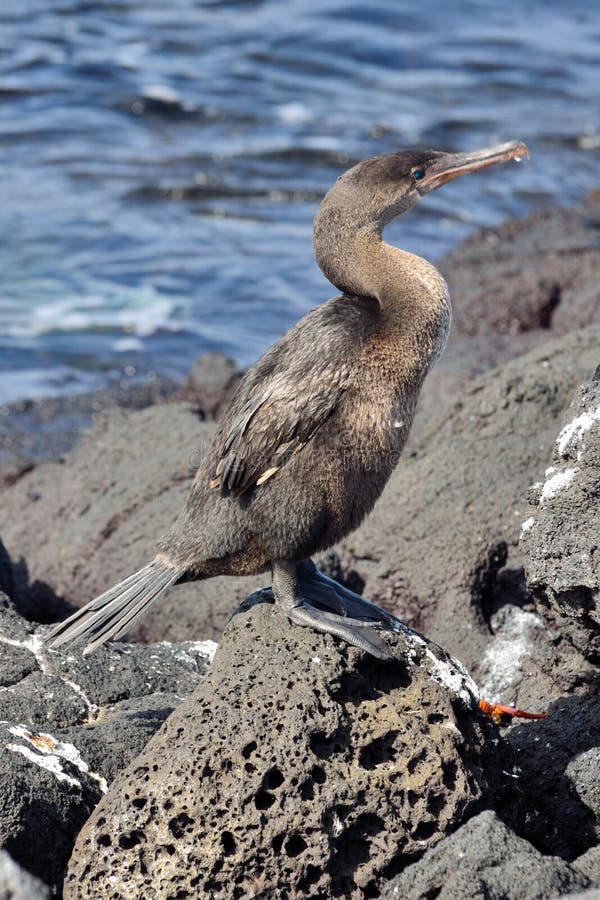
[113, 613]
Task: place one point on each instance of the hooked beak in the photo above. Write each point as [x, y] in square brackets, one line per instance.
[449, 166]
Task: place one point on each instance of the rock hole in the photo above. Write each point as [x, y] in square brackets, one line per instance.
[307, 790]
[295, 845]
[379, 751]
[547, 310]
[449, 775]
[413, 763]
[263, 800]
[353, 849]
[310, 878]
[228, 841]
[104, 840]
[139, 802]
[324, 747]
[435, 719]
[127, 841]
[435, 804]
[277, 843]
[273, 779]
[179, 824]
[318, 775]
[249, 749]
[424, 831]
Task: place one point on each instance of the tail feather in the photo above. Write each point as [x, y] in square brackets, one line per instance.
[112, 614]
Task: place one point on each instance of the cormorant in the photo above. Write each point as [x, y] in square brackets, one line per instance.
[317, 425]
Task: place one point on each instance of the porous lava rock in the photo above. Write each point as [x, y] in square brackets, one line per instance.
[299, 767]
[68, 725]
[560, 539]
[484, 858]
[441, 548]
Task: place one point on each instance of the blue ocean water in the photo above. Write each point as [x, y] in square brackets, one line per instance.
[160, 164]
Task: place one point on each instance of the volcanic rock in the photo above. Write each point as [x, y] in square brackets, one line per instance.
[298, 767]
[68, 725]
[537, 274]
[211, 383]
[560, 537]
[484, 858]
[33, 431]
[584, 773]
[17, 884]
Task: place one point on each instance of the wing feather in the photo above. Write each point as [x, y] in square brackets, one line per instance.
[286, 398]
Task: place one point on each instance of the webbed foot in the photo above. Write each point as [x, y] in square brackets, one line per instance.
[312, 599]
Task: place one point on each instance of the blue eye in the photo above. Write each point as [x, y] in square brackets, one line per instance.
[417, 174]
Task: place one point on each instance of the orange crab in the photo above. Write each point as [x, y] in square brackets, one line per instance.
[501, 714]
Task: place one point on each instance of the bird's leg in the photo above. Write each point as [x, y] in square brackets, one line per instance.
[297, 589]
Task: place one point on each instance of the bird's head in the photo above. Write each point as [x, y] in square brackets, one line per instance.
[384, 187]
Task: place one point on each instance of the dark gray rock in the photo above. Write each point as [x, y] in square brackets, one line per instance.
[584, 773]
[211, 383]
[47, 795]
[591, 894]
[299, 767]
[512, 289]
[68, 725]
[560, 537]
[484, 858]
[18, 884]
[548, 796]
[538, 274]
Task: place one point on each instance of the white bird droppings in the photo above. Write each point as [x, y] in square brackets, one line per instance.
[50, 763]
[527, 524]
[556, 481]
[46, 751]
[576, 429]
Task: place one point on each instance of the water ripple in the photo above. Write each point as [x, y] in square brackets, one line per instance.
[162, 163]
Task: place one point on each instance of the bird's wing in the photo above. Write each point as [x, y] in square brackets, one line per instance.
[288, 395]
[273, 424]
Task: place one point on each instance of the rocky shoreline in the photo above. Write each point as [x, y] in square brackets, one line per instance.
[292, 766]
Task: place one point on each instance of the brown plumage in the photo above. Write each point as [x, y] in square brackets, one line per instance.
[317, 425]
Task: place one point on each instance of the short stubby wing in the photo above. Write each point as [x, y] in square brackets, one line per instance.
[285, 399]
[275, 425]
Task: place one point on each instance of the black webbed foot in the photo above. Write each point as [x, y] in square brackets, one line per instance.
[312, 599]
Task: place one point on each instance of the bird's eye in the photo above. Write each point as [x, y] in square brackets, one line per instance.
[417, 174]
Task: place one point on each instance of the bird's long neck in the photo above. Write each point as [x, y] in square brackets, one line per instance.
[412, 294]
